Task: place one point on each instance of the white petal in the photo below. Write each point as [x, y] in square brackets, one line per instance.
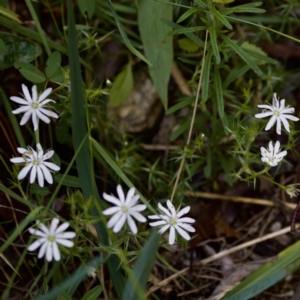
[183, 211]
[42, 117]
[114, 219]
[158, 223]
[271, 122]
[48, 113]
[164, 210]
[33, 174]
[56, 252]
[19, 100]
[139, 207]
[285, 124]
[45, 94]
[111, 210]
[263, 115]
[43, 249]
[48, 154]
[121, 194]
[172, 236]
[293, 118]
[154, 217]
[37, 232]
[36, 244]
[49, 252]
[64, 242]
[288, 110]
[164, 228]
[21, 109]
[24, 171]
[187, 227]
[34, 120]
[138, 216]
[186, 220]
[111, 199]
[66, 235]
[53, 226]
[278, 126]
[282, 104]
[26, 93]
[119, 224]
[26, 117]
[171, 208]
[40, 177]
[47, 174]
[51, 166]
[44, 228]
[133, 201]
[62, 227]
[34, 94]
[130, 195]
[131, 224]
[17, 160]
[183, 233]
[265, 106]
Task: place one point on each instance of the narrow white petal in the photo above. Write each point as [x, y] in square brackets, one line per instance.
[158, 223]
[44, 228]
[130, 195]
[66, 235]
[163, 209]
[42, 117]
[56, 253]
[21, 109]
[111, 199]
[285, 124]
[139, 207]
[288, 110]
[171, 208]
[183, 211]
[62, 228]
[293, 118]
[278, 126]
[48, 113]
[17, 160]
[40, 177]
[36, 244]
[265, 106]
[282, 104]
[33, 174]
[64, 242]
[187, 227]
[37, 232]
[26, 93]
[138, 216]
[43, 249]
[271, 122]
[34, 120]
[186, 220]
[118, 226]
[47, 174]
[183, 233]
[263, 115]
[45, 94]
[121, 194]
[154, 217]
[34, 94]
[22, 150]
[19, 100]
[111, 210]
[24, 171]
[26, 117]
[131, 224]
[53, 226]
[51, 166]
[172, 236]
[133, 201]
[49, 252]
[277, 147]
[114, 219]
[48, 154]
[164, 228]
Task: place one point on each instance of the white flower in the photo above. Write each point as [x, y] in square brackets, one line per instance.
[33, 106]
[50, 237]
[124, 210]
[279, 113]
[35, 161]
[172, 219]
[272, 156]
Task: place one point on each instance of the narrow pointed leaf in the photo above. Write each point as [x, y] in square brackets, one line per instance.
[219, 91]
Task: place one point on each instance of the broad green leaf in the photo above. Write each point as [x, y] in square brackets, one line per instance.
[122, 86]
[221, 18]
[87, 8]
[62, 130]
[30, 72]
[214, 43]
[69, 180]
[206, 75]
[9, 14]
[218, 91]
[287, 262]
[242, 54]
[93, 294]
[3, 48]
[83, 159]
[64, 296]
[36, 189]
[18, 49]
[137, 282]
[157, 42]
[53, 63]
[188, 45]
[73, 280]
[124, 35]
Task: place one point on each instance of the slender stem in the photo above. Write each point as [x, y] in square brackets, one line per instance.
[192, 122]
[294, 217]
[37, 136]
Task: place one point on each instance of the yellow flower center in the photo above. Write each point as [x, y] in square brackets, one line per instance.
[173, 222]
[34, 105]
[276, 113]
[36, 162]
[51, 238]
[124, 209]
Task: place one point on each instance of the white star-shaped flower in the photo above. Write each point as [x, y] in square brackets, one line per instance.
[50, 237]
[36, 162]
[278, 113]
[173, 220]
[33, 106]
[124, 209]
[272, 156]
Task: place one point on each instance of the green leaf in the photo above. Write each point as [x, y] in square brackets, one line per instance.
[188, 45]
[157, 42]
[30, 72]
[121, 87]
[219, 91]
[137, 282]
[36, 189]
[61, 131]
[183, 103]
[245, 8]
[188, 13]
[73, 280]
[287, 262]
[3, 48]
[69, 180]
[64, 296]
[87, 8]
[93, 293]
[53, 63]
[9, 14]
[206, 75]
[17, 50]
[83, 159]
[221, 18]
[233, 45]
[124, 35]
[223, 1]
[214, 43]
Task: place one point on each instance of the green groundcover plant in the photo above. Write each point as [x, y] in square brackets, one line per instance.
[123, 205]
